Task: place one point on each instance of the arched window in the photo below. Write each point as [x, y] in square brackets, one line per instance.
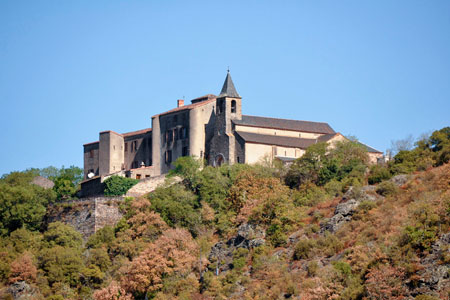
[233, 106]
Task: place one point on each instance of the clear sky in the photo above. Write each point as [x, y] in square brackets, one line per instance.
[378, 70]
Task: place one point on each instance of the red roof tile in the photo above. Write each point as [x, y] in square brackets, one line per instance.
[186, 107]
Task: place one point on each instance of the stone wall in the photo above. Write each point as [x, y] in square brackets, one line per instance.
[87, 215]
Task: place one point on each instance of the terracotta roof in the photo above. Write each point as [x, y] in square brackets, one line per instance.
[186, 107]
[137, 132]
[304, 126]
[92, 143]
[203, 98]
[277, 140]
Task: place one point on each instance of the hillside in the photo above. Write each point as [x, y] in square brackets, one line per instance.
[329, 226]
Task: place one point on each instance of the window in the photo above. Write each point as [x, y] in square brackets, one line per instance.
[168, 156]
[169, 136]
[220, 106]
[184, 151]
[138, 176]
[175, 134]
[135, 145]
[91, 153]
[233, 106]
[238, 160]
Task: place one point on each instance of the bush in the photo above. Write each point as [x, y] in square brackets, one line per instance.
[303, 249]
[118, 186]
[378, 174]
[312, 268]
[386, 188]
[425, 297]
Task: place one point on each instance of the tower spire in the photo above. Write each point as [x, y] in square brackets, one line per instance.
[228, 89]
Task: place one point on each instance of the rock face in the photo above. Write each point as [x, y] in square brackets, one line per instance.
[248, 236]
[345, 210]
[87, 215]
[148, 185]
[435, 276]
[21, 290]
[400, 180]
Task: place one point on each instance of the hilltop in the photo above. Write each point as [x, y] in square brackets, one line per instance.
[329, 226]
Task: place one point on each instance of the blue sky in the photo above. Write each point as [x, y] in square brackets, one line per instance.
[378, 70]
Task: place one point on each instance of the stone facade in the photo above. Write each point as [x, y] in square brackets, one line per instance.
[87, 215]
[211, 127]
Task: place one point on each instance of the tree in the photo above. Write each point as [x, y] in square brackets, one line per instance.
[22, 204]
[63, 235]
[187, 167]
[112, 292]
[173, 253]
[23, 269]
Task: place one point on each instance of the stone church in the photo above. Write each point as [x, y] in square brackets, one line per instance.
[210, 127]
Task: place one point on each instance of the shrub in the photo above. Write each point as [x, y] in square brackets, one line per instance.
[386, 188]
[378, 174]
[425, 297]
[303, 249]
[312, 268]
[117, 185]
[366, 205]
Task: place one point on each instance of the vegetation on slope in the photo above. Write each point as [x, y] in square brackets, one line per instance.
[250, 232]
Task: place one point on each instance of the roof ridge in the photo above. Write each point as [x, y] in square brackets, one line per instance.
[286, 119]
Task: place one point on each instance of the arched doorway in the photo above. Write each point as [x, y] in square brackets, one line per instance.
[219, 160]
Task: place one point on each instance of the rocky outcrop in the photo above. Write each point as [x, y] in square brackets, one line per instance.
[21, 290]
[400, 180]
[248, 236]
[435, 275]
[345, 210]
[148, 185]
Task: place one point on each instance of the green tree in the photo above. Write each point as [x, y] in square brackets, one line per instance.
[62, 235]
[22, 204]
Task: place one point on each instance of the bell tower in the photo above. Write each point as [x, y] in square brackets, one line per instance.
[228, 108]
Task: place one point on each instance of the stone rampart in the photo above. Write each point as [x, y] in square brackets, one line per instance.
[87, 215]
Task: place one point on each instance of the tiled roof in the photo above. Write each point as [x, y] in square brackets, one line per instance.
[277, 140]
[92, 143]
[186, 107]
[137, 132]
[369, 149]
[203, 98]
[326, 137]
[305, 126]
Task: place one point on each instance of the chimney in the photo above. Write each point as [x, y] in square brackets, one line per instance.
[180, 103]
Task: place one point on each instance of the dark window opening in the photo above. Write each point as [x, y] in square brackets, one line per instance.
[168, 156]
[184, 151]
[135, 145]
[233, 106]
[220, 106]
[91, 153]
[238, 160]
[126, 147]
